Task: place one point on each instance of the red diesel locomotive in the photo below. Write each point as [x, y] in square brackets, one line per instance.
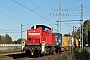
[40, 40]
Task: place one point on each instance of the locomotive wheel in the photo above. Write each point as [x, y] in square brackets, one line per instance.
[47, 51]
[53, 50]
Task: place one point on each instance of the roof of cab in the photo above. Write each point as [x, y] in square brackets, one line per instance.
[42, 25]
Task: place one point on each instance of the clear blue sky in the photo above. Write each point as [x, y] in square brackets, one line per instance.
[32, 12]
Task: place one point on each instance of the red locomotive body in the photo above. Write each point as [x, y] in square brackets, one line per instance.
[40, 33]
[40, 40]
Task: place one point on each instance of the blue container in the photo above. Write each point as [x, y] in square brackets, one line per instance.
[58, 39]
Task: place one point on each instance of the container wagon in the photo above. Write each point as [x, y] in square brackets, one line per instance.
[69, 42]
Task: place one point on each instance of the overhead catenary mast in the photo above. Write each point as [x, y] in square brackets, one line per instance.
[59, 14]
[82, 24]
[59, 17]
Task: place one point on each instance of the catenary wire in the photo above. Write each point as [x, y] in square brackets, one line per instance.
[31, 11]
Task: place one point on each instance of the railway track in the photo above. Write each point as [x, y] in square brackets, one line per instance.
[22, 56]
[8, 53]
[14, 56]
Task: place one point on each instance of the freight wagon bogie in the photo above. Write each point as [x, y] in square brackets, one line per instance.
[65, 48]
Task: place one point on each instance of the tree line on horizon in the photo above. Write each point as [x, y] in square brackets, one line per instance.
[86, 32]
[8, 40]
